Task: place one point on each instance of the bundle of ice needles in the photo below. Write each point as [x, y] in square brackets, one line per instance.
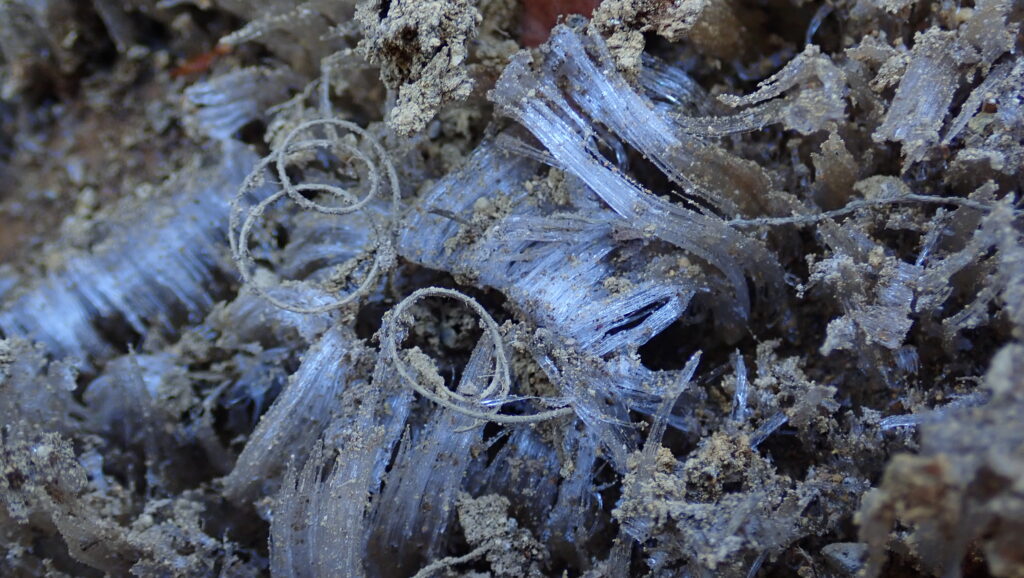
[381, 288]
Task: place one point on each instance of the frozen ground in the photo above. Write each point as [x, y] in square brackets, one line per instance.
[511, 288]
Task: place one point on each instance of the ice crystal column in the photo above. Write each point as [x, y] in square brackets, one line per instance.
[162, 266]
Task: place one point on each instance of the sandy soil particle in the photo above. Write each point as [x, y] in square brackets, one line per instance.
[421, 48]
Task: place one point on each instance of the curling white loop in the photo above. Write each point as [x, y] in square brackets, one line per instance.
[243, 220]
[492, 397]
[290, 147]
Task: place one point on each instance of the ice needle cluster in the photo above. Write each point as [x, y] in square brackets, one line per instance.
[691, 289]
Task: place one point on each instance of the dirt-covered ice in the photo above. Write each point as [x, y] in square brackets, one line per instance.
[511, 288]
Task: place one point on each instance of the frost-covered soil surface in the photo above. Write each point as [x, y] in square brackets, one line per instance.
[480, 288]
